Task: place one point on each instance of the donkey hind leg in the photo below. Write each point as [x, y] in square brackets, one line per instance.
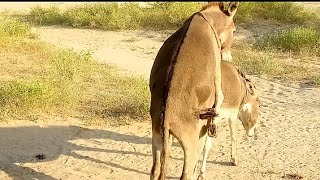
[192, 148]
[190, 159]
[156, 154]
[206, 150]
[232, 125]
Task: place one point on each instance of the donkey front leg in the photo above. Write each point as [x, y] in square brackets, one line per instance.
[232, 125]
[218, 87]
[206, 150]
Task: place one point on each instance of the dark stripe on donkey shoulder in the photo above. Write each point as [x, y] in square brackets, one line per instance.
[175, 52]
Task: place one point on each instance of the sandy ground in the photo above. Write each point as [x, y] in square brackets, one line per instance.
[287, 144]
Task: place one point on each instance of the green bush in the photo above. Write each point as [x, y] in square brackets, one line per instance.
[264, 63]
[112, 16]
[130, 99]
[246, 12]
[299, 39]
[90, 15]
[12, 27]
[21, 95]
[46, 16]
[169, 15]
[162, 15]
[285, 12]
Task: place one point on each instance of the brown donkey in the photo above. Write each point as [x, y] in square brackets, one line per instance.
[241, 102]
[186, 78]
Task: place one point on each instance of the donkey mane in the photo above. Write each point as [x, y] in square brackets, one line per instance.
[210, 4]
[243, 74]
[245, 77]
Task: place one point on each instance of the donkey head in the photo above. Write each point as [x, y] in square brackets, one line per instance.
[223, 13]
[249, 112]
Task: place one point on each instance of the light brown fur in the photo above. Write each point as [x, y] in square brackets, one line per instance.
[240, 95]
[195, 84]
[210, 4]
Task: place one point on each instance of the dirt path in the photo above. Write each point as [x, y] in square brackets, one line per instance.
[130, 50]
[133, 51]
[287, 142]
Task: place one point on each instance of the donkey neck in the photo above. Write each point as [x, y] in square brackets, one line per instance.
[243, 88]
[210, 22]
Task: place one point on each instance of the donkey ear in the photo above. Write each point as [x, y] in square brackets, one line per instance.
[250, 87]
[232, 9]
[229, 9]
[222, 6]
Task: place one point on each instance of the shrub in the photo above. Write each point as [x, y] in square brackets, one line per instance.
[112, 16]
[264, 63]
[162, 15]
[169, 15]
[46, 16]
[20, 95]
[12, 27]
[299, 39]
[285, 12]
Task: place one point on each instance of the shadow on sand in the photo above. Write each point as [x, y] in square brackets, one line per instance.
[54, 141]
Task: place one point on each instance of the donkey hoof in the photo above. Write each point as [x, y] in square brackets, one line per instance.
[202, 177]
[212, 130]
[234, 162]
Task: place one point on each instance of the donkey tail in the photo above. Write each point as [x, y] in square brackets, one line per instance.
[165, 150]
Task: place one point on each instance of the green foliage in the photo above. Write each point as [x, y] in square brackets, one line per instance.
[299, 39]
[40, 78]
[103, 16]
[46, 16]
[264, 63]
[12, 27]
[162, 15]
[168, 15]
[285, 12]
[130, 99]
[112, 16]
[18, 95]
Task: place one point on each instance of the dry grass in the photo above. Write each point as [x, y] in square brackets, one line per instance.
[284, 12]
[112, 16]
[299, 40]
[37, 78]
[270, 64]
[162, 15]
